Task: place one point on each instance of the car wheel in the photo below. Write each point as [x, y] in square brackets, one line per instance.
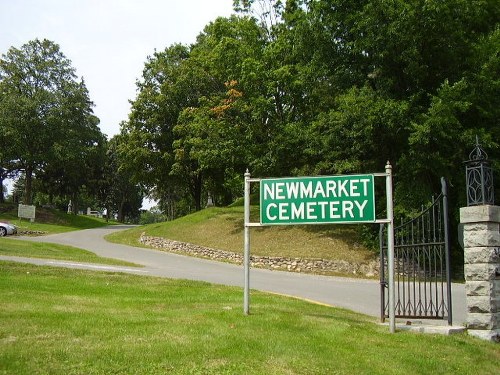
[3, 231]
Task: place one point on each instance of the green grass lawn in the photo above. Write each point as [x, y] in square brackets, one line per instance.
[12, 247]
[60, 321]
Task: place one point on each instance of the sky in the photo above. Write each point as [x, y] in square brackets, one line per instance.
[108, 41]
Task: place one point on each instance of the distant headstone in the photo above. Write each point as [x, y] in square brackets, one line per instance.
[210, 202]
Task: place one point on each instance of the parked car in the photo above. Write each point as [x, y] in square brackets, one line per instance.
[6, 228]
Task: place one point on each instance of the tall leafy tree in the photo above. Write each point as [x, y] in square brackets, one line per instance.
[225, 66]
[214, 144]
[45, 111]
[175, 81]
[79, 156]
[118, 192]
[148, 133]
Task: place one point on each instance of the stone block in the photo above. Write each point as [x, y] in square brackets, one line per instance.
[481, 234]
[482, 255]
[480, 227]
[488, 335]
[480, 272]
[481, 304]
[496, 288]
[479, 288]
[483, 321]
[477, 214]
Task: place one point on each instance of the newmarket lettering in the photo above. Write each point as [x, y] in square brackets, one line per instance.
[301, 190]
[317, 200]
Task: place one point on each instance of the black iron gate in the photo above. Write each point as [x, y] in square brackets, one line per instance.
[421, 264]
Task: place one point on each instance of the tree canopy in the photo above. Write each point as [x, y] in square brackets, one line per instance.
[321, 87]
[283, 88]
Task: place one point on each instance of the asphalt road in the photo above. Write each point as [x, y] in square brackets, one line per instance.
[358, 295]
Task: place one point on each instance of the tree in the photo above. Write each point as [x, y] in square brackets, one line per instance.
[360, 134]
[420, 56]
[117, 191]
[214, 144]
[174, 82]
[148, 133]
[45, 112]
[212, 132]
[78, 158]
[442, 136]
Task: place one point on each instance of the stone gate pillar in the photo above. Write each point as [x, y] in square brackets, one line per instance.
[482, 270]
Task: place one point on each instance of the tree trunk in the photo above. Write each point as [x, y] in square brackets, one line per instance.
[120, 211]
[2, 199]
[196, 189]
[28, 186]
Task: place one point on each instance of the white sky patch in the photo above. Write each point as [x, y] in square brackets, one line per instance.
[108, 41]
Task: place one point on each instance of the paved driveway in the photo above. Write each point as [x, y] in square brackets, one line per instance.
[358, 295]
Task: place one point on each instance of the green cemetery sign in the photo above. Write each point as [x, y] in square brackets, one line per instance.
[317, 200]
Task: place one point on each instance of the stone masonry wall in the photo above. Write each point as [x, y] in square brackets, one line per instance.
[318, 266]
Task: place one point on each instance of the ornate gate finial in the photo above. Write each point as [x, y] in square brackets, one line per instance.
[479, 178]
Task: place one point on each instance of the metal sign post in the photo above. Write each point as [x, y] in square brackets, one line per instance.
[390, 247]
[246, 255]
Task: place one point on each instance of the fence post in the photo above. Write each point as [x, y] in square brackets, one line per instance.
[444, 191]
[482, 270]
[481, 223]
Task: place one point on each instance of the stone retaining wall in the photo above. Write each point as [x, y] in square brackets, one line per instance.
[317, 266]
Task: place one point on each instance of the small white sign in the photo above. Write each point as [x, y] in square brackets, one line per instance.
[26, 212]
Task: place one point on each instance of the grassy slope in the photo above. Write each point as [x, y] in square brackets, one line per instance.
[222, 228]
[62, 321]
